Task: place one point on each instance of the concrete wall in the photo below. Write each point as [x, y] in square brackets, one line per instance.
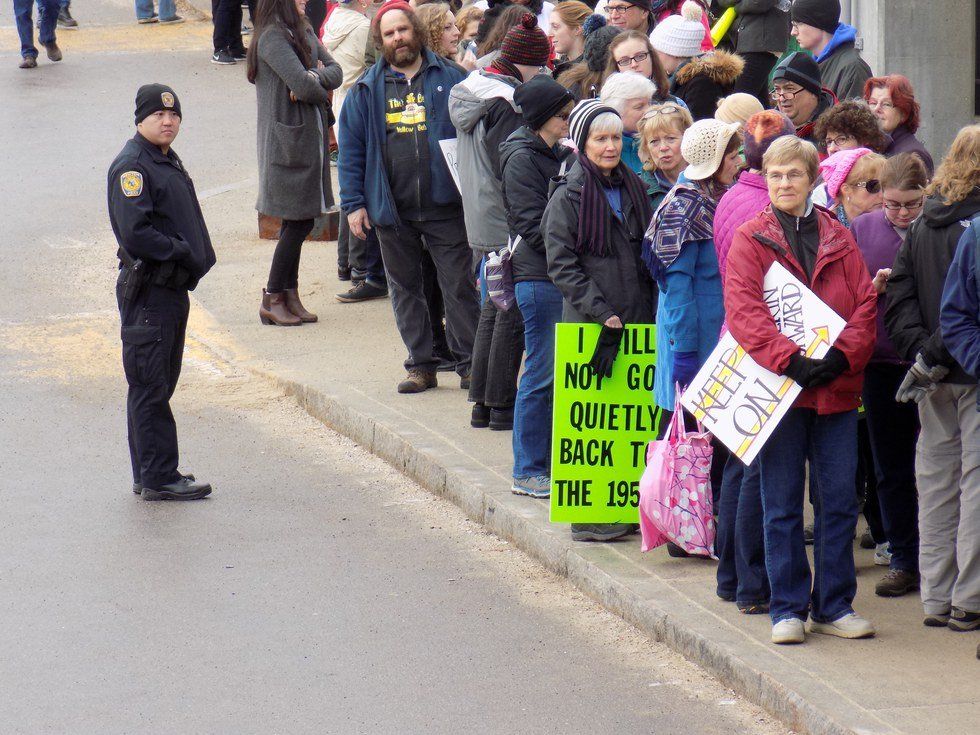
[932, 42]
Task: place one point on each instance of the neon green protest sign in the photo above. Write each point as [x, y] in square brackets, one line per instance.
[601, 426]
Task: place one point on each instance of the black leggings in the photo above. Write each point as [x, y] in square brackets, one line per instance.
[284, 271]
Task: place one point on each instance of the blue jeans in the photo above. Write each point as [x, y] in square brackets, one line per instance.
[24, 15]
[739, 543]
[167, 9]
[540, 303]
[830, 444]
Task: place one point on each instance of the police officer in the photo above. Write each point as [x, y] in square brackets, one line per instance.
[164, 250]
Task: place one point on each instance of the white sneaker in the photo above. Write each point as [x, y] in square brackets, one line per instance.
[851, 625]
[788, 631]
[883, 555]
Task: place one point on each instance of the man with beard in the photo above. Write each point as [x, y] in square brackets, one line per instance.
[394, 178]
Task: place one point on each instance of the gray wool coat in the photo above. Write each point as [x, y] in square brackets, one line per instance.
[294, 169]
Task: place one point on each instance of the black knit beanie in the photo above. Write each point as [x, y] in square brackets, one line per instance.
[152, 98]
[822, 14]
[540, 99]
[799, 67]
[597, 46]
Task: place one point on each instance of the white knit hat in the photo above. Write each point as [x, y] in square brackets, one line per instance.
[703, 146]
[680, 35]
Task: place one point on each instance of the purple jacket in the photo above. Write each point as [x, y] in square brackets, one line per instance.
[904, 142]
[743, 202]
[879, 243]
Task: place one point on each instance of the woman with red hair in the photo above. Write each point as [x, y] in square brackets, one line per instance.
[892, 101]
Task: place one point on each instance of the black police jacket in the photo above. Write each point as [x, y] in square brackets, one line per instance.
[154, 211]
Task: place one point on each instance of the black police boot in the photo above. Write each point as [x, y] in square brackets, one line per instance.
[182, 489]
[138, 486]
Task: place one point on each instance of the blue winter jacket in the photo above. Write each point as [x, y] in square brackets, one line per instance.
[959, 315]
[361, 165]
[690, 312]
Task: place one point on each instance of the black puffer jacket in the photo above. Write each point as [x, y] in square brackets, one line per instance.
[528, 166]
[915, 287]
[703, 80]
[596, 288]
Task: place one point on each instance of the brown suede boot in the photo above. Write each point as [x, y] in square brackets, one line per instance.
[417, 381]
[296, 306]
[274, 311]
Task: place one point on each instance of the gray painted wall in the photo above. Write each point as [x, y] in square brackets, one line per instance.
[932, 43]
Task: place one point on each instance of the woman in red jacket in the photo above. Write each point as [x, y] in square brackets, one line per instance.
[822, 424]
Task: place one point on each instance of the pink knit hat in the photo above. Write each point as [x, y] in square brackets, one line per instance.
[836, 168]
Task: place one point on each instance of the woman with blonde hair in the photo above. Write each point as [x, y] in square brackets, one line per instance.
[442, 35]
[660, 131]
[947, 465]
[566, 29]
[468, 22]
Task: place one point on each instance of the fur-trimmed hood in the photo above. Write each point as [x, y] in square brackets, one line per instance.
[721, 66]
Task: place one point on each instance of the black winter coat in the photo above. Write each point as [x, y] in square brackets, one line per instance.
[760, 24]
[596, 288]
[915, 287]
[703, 80]
[528, 166]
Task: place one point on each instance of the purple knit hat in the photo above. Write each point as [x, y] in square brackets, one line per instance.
[836, 168]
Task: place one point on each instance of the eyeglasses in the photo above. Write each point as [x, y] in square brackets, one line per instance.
[617, 9]
[784, 94]
[885, 105]
[872, 185]
[665, 110]
[907, 206]
[793, 177]
[627, 60]
[840, 141]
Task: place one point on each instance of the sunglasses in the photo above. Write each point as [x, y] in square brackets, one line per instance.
[872, 185]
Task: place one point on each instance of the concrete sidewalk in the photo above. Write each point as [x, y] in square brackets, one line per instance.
[343, 370]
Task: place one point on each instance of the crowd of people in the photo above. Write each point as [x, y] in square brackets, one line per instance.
[633, 173]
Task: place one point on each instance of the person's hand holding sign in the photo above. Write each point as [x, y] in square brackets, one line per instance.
[607, 347]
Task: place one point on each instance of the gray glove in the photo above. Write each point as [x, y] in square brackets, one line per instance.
[920, 381]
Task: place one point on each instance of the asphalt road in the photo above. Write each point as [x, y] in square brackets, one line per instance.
[317, 590]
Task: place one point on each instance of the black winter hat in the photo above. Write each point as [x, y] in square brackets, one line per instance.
[541, 98]
[152, 98]
[822, 14]
[800, 67]
[597, 46]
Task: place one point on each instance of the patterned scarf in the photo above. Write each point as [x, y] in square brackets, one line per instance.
[594, 213]
[686, 215]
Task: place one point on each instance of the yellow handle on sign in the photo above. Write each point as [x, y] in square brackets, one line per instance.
[723, 25]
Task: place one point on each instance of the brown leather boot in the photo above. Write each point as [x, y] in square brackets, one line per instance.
[274, 311]
[296, 306]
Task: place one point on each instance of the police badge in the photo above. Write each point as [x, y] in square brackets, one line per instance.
[131, 183]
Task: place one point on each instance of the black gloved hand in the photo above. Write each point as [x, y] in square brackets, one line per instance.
[606, 350]
[802, 369]
[829, 368]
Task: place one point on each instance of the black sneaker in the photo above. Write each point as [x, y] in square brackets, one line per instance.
[65, 20]
[501, 419]
[138, 486]
[362, 291]
[239, 54]
[963, 620]
[223, 57]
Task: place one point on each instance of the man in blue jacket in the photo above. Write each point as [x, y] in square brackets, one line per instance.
[394, 178]
[817, 28]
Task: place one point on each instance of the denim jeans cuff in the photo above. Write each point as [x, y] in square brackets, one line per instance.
[786, 616]
[832, 618]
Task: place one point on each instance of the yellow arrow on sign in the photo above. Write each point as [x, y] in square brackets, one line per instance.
[821, 336]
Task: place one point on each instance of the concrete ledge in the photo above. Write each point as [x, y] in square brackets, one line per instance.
[760, 673]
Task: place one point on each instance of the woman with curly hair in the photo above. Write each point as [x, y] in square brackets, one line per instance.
[468, 23]
[442, 35]
[947, 460]
[893, 103]
[844, 127]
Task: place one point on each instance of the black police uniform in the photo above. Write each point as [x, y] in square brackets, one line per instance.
[164, 251]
